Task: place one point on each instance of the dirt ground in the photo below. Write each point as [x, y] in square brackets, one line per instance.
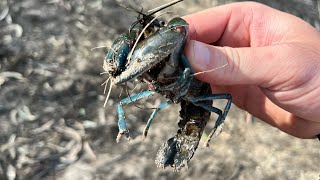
[53, 124]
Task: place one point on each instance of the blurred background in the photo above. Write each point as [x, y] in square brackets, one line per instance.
[53, 124]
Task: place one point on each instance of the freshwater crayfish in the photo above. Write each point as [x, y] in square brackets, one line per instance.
[151, 52]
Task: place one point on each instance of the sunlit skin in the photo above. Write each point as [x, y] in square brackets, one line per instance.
[273, 63]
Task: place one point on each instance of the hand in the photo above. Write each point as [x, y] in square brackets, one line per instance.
[273, 63]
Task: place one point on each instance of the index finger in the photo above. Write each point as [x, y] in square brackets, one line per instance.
[227, 25]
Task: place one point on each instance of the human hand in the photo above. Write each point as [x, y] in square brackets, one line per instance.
[273, 63]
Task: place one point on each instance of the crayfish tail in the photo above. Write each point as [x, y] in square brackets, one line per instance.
[177, 151]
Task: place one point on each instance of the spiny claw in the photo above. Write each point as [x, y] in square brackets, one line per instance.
[121, 133]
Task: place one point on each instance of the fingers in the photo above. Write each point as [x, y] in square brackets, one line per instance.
[265, 48]
[230, 24]
[274, 38]
[271, 67]
[247, 24]
[204, 23]
[252, 99]
[238, 65]
[286, 121]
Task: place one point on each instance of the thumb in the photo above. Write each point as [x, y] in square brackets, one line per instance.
[230, 66]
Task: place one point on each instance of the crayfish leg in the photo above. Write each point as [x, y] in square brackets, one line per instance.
[222, 115]
[120, 134]
[154, 113]
[121, 117]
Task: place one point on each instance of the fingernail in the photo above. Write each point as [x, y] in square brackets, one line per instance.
[197, 54]
[205, 57]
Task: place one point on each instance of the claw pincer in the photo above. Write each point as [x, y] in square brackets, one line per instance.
[149, 52]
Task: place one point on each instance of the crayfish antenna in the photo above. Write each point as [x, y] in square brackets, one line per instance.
[105, 72]
[105, 83]
[132, 9]
[109, 92]
[157, 9]
[120, 92]
[202, 72]
[134, 88]
[98, 47]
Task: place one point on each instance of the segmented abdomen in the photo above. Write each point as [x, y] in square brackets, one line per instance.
[178, 150]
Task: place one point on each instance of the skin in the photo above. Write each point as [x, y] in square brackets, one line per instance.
[273, 63]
